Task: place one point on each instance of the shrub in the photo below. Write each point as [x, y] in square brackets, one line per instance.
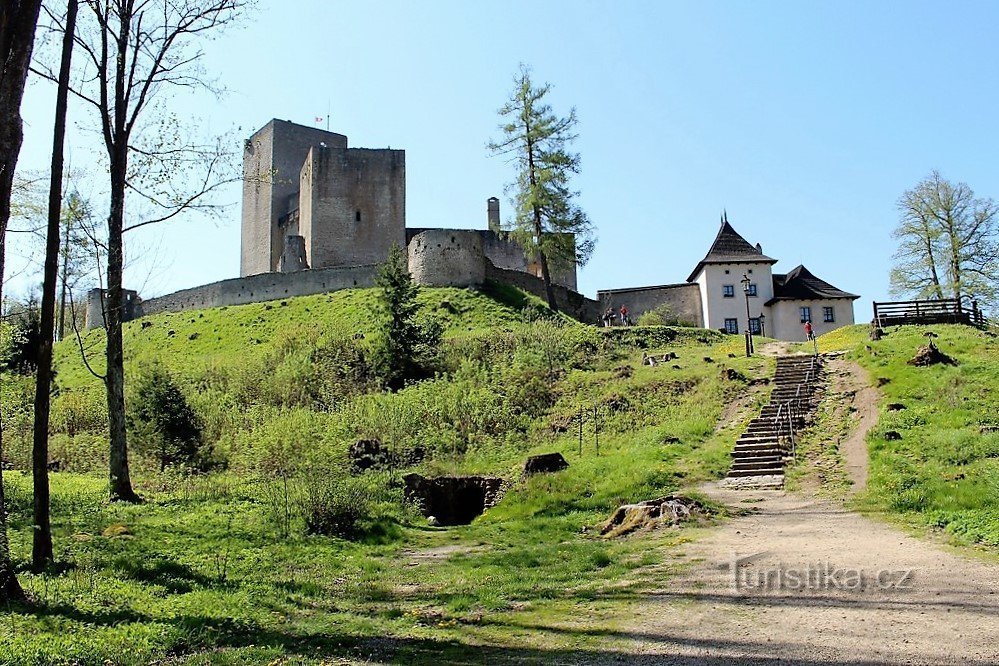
[661, 315]
[337, 506]
[162, 424]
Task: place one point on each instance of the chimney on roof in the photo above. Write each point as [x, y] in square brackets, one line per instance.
[759, 248]
[493, 214]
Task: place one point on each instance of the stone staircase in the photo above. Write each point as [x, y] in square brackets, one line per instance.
[764, 449]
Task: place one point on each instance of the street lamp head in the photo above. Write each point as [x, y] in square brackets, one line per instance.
[745, 282]
[763, 317]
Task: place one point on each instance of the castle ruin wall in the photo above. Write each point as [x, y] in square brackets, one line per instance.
[447, 258]
[272, 162]
[570, 302]
[684, 301]
[352, 205]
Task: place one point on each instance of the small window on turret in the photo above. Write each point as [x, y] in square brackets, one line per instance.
[357, 216]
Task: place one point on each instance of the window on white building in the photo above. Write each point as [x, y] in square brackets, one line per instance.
[828, 315]
[751, 290]
[806, 314]
[728, 290]
[754, 326]
[731, 325]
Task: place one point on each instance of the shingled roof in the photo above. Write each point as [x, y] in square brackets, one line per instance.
[731, 248]
[801, 285]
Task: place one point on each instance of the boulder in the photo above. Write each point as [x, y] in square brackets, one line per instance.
[368, 454]
[669, 510]
[929, 355]
[546, 463]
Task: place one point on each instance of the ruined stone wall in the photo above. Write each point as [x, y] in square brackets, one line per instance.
[683, 299]
[272, 162]
[572, 303]
[352, 206]
[447, 258]
[97, 304]
[263, 287]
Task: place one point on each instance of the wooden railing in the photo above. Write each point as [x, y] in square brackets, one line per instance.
[939, 311]
[790, 411]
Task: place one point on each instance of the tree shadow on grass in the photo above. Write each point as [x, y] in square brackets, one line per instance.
[411, 650]
[175, 577]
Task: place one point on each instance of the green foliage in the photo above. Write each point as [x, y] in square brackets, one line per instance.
[948, 243]
[20, 338]
[407, 349]
[223, 565]
[161, 424]
[547, 219]
[661, 315]
[340, 506]
[943, 472]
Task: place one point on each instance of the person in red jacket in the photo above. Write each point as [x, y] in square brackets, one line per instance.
[809, 334]
[624, 316]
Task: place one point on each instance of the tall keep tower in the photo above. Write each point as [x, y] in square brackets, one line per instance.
[347, 205]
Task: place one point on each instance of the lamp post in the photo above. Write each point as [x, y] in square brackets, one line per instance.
[763, 330]
[746, 283]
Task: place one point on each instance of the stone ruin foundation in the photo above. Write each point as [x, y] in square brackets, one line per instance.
[453, 500]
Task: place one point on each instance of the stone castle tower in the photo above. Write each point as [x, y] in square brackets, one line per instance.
[309, 201]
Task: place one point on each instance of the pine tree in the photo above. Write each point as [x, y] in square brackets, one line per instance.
[407, 349]
[550, 226]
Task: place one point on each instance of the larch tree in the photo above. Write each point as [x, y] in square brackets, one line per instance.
[133, 52]
[548, 224]
[18, 20]
[948, 243]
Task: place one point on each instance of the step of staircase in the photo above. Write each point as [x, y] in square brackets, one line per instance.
[762, 450]
[756, 472]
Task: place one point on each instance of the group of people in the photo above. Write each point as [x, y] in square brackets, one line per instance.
[616, 318]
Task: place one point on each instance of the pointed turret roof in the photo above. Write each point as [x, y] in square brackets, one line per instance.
[731, 248]
[801, 285]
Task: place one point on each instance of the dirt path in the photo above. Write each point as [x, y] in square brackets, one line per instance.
[852, 382]
[801, 580]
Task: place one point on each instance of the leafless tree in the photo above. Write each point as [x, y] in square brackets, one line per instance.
[18, 20]
[133, 52]
[41, 551]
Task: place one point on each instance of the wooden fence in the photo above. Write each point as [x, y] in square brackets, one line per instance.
[942, 311]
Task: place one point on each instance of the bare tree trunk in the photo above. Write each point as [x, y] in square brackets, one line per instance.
[61, 329]
[538, 228]
[41, 550]
[121, 483]
[18, 19]
[120, 480]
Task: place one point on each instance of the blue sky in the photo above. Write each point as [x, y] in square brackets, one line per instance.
[804, 120]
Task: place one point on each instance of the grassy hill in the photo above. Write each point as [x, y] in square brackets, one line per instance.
[220, 567]
[939, 467]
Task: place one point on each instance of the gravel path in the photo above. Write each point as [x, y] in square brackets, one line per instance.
[819, 584]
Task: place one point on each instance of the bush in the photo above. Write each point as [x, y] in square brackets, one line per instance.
[337, 506]
[661, 315]
[162, 424]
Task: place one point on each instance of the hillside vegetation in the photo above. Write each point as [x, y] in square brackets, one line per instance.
[225, 565]
[934, 455]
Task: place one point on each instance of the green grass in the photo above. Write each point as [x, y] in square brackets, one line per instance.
[218, 568]
[944, 471]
